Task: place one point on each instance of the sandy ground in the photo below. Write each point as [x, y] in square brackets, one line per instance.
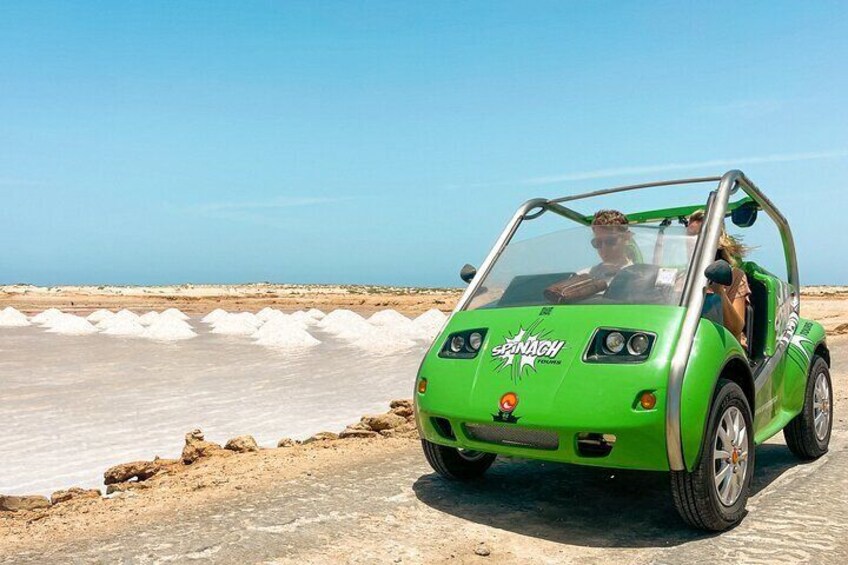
[200, 299]
[376, 501]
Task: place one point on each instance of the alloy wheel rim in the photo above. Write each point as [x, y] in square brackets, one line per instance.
[821, 407]
[730, 456]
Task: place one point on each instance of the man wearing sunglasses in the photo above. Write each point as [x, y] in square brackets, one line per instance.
[611, 240]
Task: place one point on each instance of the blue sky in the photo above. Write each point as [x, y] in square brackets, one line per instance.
[371, 142]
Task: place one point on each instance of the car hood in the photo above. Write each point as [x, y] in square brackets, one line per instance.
[538, 354]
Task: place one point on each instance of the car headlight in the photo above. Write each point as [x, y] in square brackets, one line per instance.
[614, 342]
[638, 344]
[457, 343]
[613, 345]
[463, 345]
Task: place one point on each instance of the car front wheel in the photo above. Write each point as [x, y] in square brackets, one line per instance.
[457, 464]
[713, 496]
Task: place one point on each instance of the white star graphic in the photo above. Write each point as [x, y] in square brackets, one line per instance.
[510, 357]
[529, 360]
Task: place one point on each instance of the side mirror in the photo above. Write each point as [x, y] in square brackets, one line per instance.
[744, 216]
[467, 273]
[719, 272]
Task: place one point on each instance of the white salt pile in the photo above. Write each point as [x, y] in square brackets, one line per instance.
[243, 323]
[11, 318]
[107, 323]
[337, 319]
[121, 327]
[285, 334]
[272, 315]
[345, 324]
[428, 325]
[316, 313]
[214, 316]
[149, 318]
[68, 324]
[99, 315]
[247, 317]
[267, 313]
[46, 316]
[168, 328]
[354, 330]
[389, 318]
[398, 324]
[278, 325]
[340, 314]
[304, 318]
[127, 315]
[382, 341]
[175, 313]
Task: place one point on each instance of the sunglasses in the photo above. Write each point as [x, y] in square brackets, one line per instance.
[608, 241]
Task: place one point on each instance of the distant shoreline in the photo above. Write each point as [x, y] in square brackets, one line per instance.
[203, 298]
[198, 299]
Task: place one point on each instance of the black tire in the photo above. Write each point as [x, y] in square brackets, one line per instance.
[452, 464]
[695, 494]
[800, 433]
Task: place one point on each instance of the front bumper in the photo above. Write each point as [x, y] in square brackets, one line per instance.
[638, 438]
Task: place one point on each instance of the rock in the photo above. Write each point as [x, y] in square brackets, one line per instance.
[119, 487]
[141, 470]
[403, 411]
[125, 487]
[351, 432]
[482, 550]
[166, 465]
[397, 405]
[321, 436]
[287, 442]
[17, 503]
[407, 430]
[379, 422]
[358, 426]
[74, 492]
[242, 444]
[196, 447]
[403, 408]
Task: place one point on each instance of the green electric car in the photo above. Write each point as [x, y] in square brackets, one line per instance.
[551, 355]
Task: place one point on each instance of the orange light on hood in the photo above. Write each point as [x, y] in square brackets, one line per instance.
[508, 402]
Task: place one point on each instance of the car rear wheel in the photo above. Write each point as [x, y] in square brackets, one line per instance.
[457, 464]
[808, 434]
[713, 496]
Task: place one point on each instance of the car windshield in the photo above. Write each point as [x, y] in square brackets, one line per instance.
[639, 264]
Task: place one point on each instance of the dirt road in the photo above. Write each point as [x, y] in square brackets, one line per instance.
[392, 509]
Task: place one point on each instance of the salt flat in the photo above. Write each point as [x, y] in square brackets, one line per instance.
[75, 405]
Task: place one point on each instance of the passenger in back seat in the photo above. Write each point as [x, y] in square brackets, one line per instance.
[734, 298]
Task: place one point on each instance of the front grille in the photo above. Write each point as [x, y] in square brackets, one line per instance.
[594, 444]
[513, 435]
[443, 426]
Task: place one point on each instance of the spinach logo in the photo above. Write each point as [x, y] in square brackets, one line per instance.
[520, 351]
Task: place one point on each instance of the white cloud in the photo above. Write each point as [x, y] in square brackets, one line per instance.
[262, 212]
[669, 167]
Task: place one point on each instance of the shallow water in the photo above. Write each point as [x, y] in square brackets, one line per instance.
[74, 405]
